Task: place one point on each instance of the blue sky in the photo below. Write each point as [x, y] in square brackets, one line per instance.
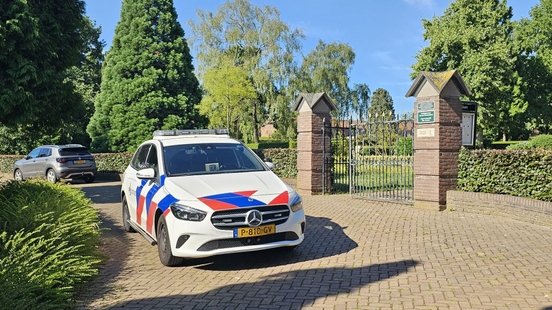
[384, 34]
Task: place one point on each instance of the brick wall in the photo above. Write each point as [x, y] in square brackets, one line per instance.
[523, 209]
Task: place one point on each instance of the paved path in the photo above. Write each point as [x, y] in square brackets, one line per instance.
[357, 255]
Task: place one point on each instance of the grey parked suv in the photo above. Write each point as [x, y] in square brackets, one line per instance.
[55, 162]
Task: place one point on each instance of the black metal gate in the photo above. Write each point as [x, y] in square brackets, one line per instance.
[372, 159]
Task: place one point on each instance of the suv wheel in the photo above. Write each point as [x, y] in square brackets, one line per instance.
[164, 245]
[126, 217]
[18, 175]
[51, 176]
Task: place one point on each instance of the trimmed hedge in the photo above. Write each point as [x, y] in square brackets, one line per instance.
[48, 244]
[285, 161]
[106, 162]
[523, 173]
[112, 162]
[271, 145]
[540, 141]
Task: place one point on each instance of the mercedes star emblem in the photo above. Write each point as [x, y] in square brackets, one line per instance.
[254, 218]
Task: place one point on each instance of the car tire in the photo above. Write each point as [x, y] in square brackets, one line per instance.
[126, 216]
[164, 245]
[51, 176]
[89, 179]
[18, 175]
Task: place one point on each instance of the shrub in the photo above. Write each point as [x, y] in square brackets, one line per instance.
[48, 244]
[542, 141]
[404, 146]
[268, 144]
[285, 161]
[524, 145]
[523, 173]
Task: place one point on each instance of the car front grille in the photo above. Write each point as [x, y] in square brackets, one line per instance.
[234, 243]
[235, 218]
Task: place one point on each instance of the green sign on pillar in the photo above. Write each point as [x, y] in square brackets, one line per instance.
[426, 116]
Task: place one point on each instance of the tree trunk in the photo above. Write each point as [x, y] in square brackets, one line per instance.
[255, 124]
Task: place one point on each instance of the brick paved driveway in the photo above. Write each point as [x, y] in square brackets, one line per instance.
[357, 255]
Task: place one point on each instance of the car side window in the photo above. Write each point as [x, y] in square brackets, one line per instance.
[139, 161]
[151, 161]
[45, 152]
[34, 153]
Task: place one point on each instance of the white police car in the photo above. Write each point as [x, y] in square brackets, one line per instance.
[199, 193]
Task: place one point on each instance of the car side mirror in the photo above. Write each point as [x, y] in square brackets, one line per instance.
[270, 165]
[148, 173]
[28, 157]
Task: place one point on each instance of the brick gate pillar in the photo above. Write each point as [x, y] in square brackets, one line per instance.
[437, 136]
[314, 113]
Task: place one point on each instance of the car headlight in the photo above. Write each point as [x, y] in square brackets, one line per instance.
[296, 204]
[187, 213]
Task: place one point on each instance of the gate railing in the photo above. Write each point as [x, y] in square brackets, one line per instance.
[336, 169]
[372, 160]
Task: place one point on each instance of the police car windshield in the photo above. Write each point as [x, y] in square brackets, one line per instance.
[202, 158]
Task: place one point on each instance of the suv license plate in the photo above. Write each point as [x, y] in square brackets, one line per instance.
[79, 161]
[246, 232]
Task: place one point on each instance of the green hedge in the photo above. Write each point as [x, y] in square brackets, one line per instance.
[540, 141]
[112, 162]
[106, 162]
[523, 173]
[7, 162]
[285, 161]
[271, 144]
[48, 244]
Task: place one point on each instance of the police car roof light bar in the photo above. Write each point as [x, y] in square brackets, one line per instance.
[188, 132]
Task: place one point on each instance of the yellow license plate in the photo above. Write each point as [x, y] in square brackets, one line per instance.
[79, 161]
[246, 232]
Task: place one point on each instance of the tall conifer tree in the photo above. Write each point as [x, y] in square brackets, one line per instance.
[147, 81]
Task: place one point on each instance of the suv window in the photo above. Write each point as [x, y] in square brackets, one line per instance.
[45, 152]
[34, 153]
[73, 151]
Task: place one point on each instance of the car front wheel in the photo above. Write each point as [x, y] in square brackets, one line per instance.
[18, 175]
[51, 176]
[164, 245]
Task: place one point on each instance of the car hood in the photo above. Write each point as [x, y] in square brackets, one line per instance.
[231, 190]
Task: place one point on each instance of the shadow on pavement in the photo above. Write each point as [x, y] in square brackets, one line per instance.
[289, 290]
[335, 242]
[99, 193]
[114, 243]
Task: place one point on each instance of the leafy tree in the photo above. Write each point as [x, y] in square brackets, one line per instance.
[326, 69]
[533, 38]
[87, 77]
[228, 91]
[261, 44]
[474, 37]
[39, 42]
[147, 80]
[361, 101]
[382, 106]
